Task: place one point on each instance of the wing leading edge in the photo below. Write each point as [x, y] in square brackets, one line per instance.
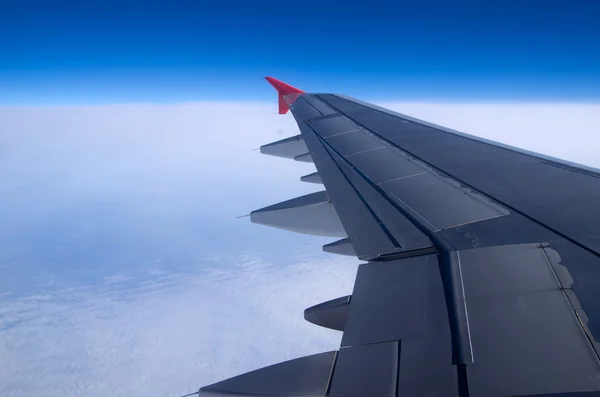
[482, 260]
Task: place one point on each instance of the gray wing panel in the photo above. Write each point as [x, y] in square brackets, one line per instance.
[403, 301]
[311, 214]
[305, 376]
[437, 201]
[375, 227]
[370, 370]
[472, 248]
[362, 228]
[327, 127]
[288, 147]
[318, 104]
[532, 184]
[303, 110]
[545, 197]
[370, 163]
[522, 322]
[405, 235]
[353, 142]
[386, 305]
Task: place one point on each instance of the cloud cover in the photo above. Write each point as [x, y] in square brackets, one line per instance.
[124, 270]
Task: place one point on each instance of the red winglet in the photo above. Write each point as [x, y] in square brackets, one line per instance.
[287, 93]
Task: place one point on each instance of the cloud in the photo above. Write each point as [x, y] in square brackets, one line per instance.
[166, 333]
[124, 270]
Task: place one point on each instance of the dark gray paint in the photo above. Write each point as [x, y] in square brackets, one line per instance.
[318, 104]
[304, 158]
[332, 314]
[563, 197]
[303, 110]
[404, 234]
[340, 247]
[439, 203]
[396, 166]
[368, 239]
[505, 230]
[387, 306]
[369, 370]
[312, 178]
[287, 148]
[308, 199]
[310, 214]
[305, 376]
[353, 142]
[329, 126]
[426, 367]
[560, 197]
[530, 311]
[521, 321]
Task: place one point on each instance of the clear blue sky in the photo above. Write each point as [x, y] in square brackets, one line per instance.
[122, 51]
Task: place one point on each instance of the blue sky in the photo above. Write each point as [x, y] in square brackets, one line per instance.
[127, 51]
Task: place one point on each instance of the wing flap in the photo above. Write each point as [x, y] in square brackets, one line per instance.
[370, 370]
[395, 310]
[521, 322]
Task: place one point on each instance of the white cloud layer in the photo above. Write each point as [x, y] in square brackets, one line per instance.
[124, 271]
[169, 333]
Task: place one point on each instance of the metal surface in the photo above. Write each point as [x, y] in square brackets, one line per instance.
[340, 247]
[531, 184]
[305, 376]
[310, 214]
[522, 322]
[332, 314]
[399, 229]
[396, 166]
[370, 370]
[353, 142]
[287, 148]
[483, 260]
[557, 196]
[395, 309]
[312, 178]
[303, 110]
[304, 158]
[327, 127]
[362, 228]
[439, 203]
[318, 104]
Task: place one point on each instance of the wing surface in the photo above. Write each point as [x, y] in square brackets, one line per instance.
[482, 268]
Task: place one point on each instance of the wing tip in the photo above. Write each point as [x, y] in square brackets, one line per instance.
[283, 90]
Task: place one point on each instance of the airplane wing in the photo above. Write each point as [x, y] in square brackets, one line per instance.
[482, 268]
